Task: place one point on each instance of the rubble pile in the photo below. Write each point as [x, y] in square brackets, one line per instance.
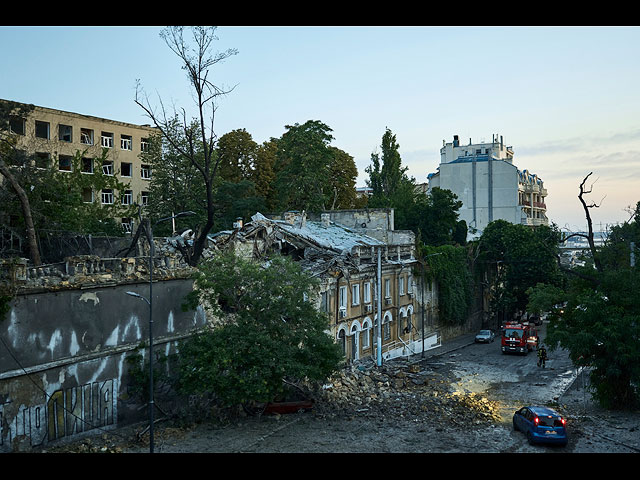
[400, 390]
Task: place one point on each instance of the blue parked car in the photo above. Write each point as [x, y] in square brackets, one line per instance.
[541, 425]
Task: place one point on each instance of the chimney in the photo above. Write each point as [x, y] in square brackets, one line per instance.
[237, 225]
[324, 218]
[456, 142]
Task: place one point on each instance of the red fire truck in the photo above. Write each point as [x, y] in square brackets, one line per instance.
[519, 337]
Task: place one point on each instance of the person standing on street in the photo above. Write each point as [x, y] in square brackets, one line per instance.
[542, 356]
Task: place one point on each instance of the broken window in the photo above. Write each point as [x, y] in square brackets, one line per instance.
[127, 197]
[42, 160]
[17, 125]
[107, 167]
[324, 304]
[87, 195]
[107, 196]
[386, 327]
[17, 158]
[125, 169]
[107, 139]
[127, 225]
[86, 136]
[65, 163]
[42, 129]
[343, 297]
[145, 171]
[144, 198]
[87, 165]
[125, 142]
[65, 133]
[144, 144]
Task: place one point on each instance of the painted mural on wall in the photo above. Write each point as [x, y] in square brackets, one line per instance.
[63, 369]
[65, 413]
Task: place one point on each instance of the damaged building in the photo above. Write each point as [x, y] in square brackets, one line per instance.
[366, 271]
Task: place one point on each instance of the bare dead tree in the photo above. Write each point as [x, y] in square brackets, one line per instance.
[589, 236]
[198, 147]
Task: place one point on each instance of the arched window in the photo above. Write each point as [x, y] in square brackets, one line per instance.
[386, 326]
[355, 330]
[366, 333]
[342, 341]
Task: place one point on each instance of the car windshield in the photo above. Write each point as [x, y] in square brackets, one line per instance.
[512, 332]
[484, 332]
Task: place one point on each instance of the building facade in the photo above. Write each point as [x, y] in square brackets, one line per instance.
[489, 185]
[348, 250]
[55, 137]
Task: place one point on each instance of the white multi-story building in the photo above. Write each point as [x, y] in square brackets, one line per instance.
[489, 185]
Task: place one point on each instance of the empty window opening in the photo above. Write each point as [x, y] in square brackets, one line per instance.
[144, 144]
[42, 160]
[87, 195]
[17, 125]
[87, 165]
[144, 198]
[42, 129]
[86, 136]
[125, 169]
[145, 171]
[65, 163]
[65, 133]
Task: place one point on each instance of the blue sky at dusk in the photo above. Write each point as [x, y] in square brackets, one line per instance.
[565, 98]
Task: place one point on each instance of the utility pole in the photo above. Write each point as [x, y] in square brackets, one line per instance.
[379, 329]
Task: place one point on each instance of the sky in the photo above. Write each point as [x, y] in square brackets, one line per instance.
[565, 98]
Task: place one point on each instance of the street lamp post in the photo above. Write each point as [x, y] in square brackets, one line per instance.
[150, 303]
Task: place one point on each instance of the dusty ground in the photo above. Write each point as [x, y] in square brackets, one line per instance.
[400, 409]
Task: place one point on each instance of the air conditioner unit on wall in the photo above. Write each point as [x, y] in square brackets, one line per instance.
[387, 301]
[368, 308]
[342, 313]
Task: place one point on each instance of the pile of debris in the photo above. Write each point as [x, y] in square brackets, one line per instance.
[401, 390]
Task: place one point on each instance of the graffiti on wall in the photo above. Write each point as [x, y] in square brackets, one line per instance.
[65, 413]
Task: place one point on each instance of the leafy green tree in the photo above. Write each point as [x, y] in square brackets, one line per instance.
[303, 166]
[263, 175]
[342, 179]
[518, 256]
[600, 322]
[237, 153]
[434, 216]
[38, 197]
[270, 334]
[449, 267]
[176, 184]
[387, 177]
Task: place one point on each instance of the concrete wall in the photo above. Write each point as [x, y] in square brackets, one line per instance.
[502, 194]
[62, 358]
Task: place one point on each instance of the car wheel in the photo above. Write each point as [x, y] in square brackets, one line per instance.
[530, 438]
[515, 426]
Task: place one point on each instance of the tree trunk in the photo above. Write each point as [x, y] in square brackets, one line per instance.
[26, 211]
